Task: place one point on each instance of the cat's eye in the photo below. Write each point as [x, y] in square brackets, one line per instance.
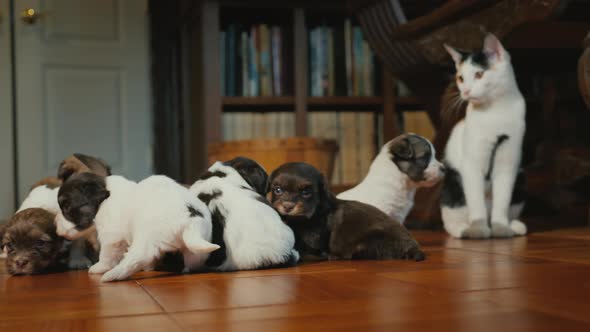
[460, 78]
[277, 190]
[478, 75]
[306, 192]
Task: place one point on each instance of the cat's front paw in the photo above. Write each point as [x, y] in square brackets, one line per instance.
[500, 230]
[79, 263]
[477, 230]
[98, 268]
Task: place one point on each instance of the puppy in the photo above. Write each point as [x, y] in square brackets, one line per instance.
[327, 227]
[136, 222]
[80, 163]
[404, 164]
[250, 233]
[30, 242]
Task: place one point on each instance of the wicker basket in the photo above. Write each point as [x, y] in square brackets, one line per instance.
[273, 152]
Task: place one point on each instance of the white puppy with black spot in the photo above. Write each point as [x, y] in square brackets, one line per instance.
[136, 222]
[406, 163]
[249, 231]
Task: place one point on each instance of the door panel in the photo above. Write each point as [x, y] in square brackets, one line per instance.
[83, 86]
[6, 158]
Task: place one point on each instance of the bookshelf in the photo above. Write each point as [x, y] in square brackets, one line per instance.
[210, 99]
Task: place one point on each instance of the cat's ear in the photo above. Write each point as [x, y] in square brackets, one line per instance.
[456, 55]
[494, 49]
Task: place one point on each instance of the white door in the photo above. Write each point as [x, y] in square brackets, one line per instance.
[6, 147]
[82, 86]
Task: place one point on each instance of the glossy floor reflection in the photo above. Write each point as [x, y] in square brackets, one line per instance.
[537, 283]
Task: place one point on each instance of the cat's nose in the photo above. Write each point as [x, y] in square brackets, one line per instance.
[466, 92]
[21, 263]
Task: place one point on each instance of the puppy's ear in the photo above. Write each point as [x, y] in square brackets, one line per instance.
[96, 165]
[402, 149]
[326, 198]
[257, 178]
[64, 171]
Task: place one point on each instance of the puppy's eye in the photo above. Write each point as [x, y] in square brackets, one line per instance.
[9, 247]
[40, 244]
[460, 78]
[277, 190]
[305, 192]
[478, 75]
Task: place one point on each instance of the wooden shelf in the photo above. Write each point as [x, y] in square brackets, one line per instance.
[258, 101]
[345, 100]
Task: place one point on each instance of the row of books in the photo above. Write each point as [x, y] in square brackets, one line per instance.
[341, 62]
[246, 125]
[252, 61]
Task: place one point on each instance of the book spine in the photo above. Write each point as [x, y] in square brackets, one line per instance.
[253, 58]
[222, 63]
[231, 52]
[348, 55]
[331, 82]
[349, 147]
[245, 64]
[312, 62]
[366, 143]
[276, 61]
[324, 60]
[367, 71]
[358, 61]
[319, 57]
[265, 69]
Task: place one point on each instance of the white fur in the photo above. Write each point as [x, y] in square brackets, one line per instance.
[140, 221]
[389, 189]
[41, 197]
[496, 107]
[254, 234]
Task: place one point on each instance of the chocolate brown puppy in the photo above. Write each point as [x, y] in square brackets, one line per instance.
[326, 227]
[80, 163]
[31, 243]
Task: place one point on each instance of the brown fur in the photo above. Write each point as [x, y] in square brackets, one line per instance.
[325, 226]
[31, 243]
[50, 182]
[80, 163]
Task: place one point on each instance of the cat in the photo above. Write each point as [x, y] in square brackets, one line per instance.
[483, 152]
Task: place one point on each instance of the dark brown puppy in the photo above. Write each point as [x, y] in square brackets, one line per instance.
[31, 243]
[325, 226]
[80, 163]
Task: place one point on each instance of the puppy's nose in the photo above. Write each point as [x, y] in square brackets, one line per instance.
[21, 263]
[288, 206]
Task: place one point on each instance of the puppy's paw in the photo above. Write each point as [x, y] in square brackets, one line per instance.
[98, 268]
[79, 263]
[477, 230]
[501, 230]
[415, 254]
[112, 275]
[518, 227]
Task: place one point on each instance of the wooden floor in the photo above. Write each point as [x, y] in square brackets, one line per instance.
[536, 283]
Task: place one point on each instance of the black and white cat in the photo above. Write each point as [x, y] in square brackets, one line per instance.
[483, 152]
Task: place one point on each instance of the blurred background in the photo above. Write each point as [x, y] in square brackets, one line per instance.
[155, 86]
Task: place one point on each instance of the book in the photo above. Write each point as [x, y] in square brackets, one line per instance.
[276, 61]
[245, 82]
[253, 59]
[313, 64]
[348, 56]
[366, 144]
[330, 60]
[323, 56]
[358, 61]
[231, 59]
[418, 122]
[265, 65]
[349, 147]
[228, 126]
[367, 69]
